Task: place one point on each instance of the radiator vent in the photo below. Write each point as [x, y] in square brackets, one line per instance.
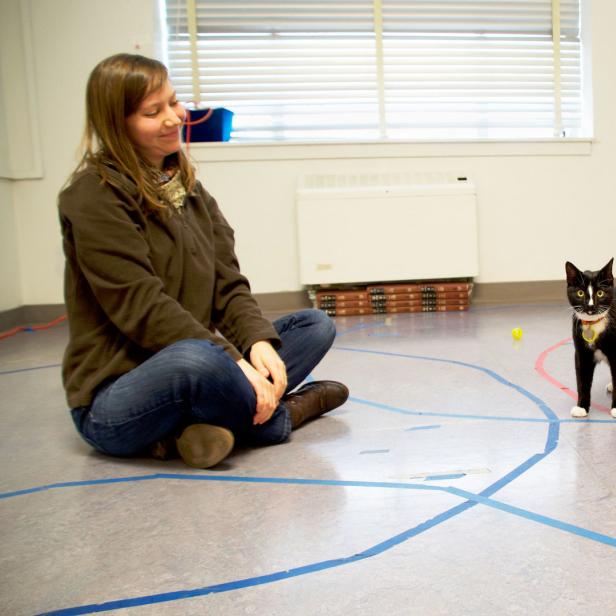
[371, 180]
[386, 227]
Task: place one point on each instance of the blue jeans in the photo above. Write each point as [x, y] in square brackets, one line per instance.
[196, 381]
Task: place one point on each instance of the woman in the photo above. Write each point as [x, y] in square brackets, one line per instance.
[168, 350]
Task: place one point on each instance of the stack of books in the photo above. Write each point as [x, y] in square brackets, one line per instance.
[393, 298]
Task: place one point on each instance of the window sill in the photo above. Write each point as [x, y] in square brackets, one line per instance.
[240, 152]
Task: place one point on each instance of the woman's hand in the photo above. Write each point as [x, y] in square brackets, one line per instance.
[267, 401]
[267, 362]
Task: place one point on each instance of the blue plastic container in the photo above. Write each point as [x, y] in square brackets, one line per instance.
[216, 128]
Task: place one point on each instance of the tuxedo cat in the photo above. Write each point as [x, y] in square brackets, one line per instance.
[591, 295]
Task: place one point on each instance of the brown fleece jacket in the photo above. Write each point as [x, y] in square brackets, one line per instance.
[137, 282]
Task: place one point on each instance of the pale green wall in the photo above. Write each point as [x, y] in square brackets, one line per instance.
[10, 279]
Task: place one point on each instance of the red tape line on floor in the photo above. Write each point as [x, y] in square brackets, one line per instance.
[29, 328]
[548, 377]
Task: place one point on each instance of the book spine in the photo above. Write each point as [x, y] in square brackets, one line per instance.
[358, 303]
[343, 296]
[420, 288]
[393, 310]
[334, 312]
[427, 301]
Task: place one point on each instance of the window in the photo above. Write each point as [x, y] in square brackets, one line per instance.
[304, 70]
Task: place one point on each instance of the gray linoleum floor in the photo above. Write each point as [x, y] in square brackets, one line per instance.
[452, 482]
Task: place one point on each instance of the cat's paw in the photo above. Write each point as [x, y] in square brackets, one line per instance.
[578, 411]
[613, 413]
[609, 388]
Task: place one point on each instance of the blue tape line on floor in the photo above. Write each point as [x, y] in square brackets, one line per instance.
[537, 420]
[470, 500]
[476, 498]
[422, 428]
[395, 409]
[265, 579]
[443, 477]
[357, 328]
[30, 369]
[74, 484]
[536, 517]
[545, 409]
[551, 443]
[221, 478]
[587, 420]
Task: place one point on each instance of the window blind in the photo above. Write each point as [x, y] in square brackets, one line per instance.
[375, 69]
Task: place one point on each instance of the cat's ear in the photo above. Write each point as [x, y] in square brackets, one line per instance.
[572, 272]
[606, 272]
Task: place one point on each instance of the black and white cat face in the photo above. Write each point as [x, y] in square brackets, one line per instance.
[590, 293]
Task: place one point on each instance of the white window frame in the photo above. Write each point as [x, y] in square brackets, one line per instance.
[383, 146]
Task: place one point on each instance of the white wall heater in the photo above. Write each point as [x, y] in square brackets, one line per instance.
[386, 227]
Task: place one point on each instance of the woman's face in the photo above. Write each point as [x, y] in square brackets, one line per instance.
[154, 128]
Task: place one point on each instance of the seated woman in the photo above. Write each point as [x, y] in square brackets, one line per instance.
[168, 350]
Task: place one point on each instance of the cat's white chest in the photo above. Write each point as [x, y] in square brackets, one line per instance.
[599, 357]
[600, 326]
[598, 329]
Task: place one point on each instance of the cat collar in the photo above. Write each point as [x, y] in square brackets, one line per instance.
[587, 326]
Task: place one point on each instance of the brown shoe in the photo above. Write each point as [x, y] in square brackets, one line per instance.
[204, 445]
[314, 399]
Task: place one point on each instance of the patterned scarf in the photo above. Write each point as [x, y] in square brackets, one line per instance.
[170, 186]
[173, 191]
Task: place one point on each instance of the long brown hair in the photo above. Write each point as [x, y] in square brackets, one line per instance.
[116, 87]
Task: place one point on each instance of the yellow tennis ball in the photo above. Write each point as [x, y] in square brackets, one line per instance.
[516, 332]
